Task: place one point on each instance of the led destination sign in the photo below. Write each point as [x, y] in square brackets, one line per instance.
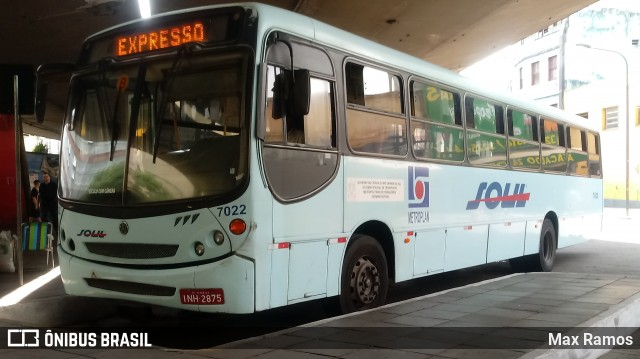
[218, 27]
[160, 39]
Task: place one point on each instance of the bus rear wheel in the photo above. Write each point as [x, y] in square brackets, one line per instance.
[546, 257]
[364, 280]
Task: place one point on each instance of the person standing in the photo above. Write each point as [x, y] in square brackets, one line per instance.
[49, 201]
[35, 202]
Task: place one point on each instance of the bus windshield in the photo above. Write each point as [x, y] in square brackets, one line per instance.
[156, 131]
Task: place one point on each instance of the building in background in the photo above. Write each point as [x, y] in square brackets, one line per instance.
[30, 142]
[589, 64]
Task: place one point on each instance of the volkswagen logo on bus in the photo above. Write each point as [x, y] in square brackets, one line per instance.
[124, 227]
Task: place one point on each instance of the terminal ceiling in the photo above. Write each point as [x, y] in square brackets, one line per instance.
[450, 33]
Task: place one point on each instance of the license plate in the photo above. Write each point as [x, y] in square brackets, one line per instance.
[210, 296]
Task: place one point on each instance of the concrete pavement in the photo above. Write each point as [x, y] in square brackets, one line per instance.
[509, 317]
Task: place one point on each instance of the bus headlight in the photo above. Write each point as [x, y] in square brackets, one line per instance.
[199, 248]
[218, 238]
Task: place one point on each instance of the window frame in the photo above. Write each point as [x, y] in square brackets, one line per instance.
[535, 73]
[334, 117]
[596, 152]
[552, 71]
[458, 120]
[606, 125]
[365, 109]
[512, 139]
[562, 143]
[521, 73]
[499, 133]
[571, 150]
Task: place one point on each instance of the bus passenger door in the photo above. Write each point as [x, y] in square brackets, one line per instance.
[301, 163]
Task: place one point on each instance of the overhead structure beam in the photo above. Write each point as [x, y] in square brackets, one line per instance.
[450, 33]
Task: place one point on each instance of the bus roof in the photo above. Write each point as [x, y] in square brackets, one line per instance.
[271, 19]
[359, 46]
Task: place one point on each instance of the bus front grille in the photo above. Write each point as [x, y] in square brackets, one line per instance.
[133, 250]
[131, 287]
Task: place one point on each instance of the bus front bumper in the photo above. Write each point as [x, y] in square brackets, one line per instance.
[232, 276]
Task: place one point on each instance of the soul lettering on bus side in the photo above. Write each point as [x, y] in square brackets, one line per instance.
[502, 196]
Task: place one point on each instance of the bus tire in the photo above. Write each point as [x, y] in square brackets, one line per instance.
[364, 280]
[544, 260]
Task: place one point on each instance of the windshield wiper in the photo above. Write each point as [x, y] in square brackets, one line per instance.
[133, 118]
[159, 113]
[115, 128]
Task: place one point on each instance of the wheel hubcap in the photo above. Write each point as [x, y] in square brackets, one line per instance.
[365, 282]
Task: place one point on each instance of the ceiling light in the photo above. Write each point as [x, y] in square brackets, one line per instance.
[145, 8]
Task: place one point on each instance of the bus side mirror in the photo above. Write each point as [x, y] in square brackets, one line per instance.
[41, 100]
[56, 72]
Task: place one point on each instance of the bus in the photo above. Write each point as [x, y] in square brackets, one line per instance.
[243, 157]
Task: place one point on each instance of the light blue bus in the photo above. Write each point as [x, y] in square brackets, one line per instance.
[240, 158]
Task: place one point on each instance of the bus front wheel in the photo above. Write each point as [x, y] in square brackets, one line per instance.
[364, 280]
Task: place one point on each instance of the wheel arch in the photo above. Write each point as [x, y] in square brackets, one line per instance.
[382, 234]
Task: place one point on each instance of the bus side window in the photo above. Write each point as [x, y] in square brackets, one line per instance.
[593, 149]
[436, 122]
[355, 83]
[314, 129]
[577, 157]
[375, 111]
[554, 152]
[552, 133]
[522, 126]
[486, 143]
[524, 149]
[319, 124]
[299, 151]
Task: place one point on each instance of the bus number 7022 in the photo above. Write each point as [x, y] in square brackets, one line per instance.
[232, 210]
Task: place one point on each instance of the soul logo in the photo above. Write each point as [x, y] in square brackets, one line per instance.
[494, 195]
[91, 233]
